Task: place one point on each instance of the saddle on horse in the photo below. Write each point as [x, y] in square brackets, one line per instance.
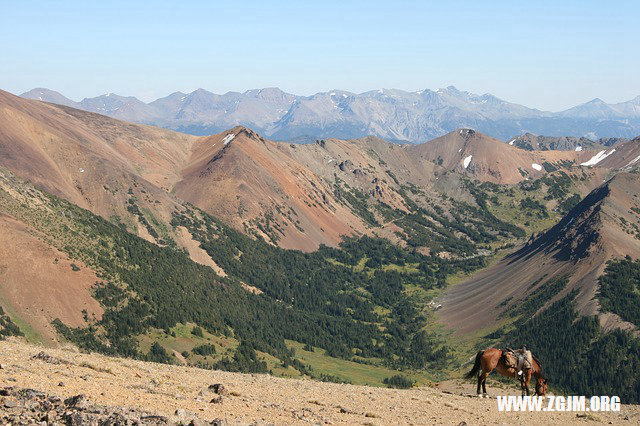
[520, 359]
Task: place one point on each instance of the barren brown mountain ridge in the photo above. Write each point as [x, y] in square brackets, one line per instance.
[389, 261]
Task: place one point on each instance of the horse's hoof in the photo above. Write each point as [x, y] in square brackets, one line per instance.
[480, 395]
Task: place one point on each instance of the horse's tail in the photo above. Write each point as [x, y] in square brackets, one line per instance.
[476, 366]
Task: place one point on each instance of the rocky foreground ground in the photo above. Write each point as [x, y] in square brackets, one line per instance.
[62, 386]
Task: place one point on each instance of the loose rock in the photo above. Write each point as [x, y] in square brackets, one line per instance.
[219, 389]
[29, 406]
[42, 356]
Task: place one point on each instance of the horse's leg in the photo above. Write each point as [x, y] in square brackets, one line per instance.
[524, 383]
[479, 382]
[484, 383]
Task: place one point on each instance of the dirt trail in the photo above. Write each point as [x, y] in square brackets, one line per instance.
[256, 399]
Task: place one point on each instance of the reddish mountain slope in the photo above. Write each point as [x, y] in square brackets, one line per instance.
[38, 283]
[266, 187]
[87, 158]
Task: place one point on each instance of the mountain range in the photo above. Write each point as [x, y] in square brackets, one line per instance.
[391, 114]
[238, 252]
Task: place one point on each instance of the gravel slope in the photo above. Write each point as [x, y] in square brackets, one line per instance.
[255, 399]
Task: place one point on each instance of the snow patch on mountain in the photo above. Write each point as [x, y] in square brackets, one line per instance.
[635, 160]
[227, 139]
[598, 158]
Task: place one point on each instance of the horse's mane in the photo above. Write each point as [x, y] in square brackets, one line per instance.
[539, 364]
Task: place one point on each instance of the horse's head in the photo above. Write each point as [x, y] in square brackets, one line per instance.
[541, 386]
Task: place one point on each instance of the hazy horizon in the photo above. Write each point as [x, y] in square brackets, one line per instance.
[539, 54]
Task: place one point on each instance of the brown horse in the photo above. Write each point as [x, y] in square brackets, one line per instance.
[491, 359]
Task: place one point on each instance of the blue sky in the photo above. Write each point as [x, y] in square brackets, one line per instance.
[548, 55]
